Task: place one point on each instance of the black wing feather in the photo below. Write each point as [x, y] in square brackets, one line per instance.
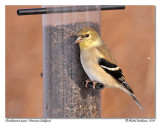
[117, 73]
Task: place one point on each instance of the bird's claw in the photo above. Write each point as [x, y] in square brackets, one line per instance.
[87, 81]
[94, 85]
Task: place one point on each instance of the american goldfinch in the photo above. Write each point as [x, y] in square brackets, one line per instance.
[99, 63]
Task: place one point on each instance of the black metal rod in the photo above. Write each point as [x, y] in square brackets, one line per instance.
[112, 7]
[34, 11]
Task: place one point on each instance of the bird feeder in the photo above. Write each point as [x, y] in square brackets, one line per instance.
[65, 95]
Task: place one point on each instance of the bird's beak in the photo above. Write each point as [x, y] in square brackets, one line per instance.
[79, 39]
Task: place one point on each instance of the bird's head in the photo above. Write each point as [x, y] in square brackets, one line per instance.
[88, 38]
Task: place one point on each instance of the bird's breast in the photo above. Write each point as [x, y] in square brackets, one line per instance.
[89, 61]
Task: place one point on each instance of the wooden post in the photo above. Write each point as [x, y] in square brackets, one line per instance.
[64, 93]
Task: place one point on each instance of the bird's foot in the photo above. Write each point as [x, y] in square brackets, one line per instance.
[87, 82]
[94, 85]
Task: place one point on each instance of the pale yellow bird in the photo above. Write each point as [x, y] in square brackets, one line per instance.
[99, 63]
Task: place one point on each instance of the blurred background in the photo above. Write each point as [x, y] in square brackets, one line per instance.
[129, 33]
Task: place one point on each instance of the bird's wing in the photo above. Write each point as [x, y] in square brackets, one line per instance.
[115, 72]
[108, 64]
[107, 53]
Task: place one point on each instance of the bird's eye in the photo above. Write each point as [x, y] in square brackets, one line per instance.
[87, 35]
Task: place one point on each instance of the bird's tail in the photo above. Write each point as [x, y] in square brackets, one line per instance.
[134, 97]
